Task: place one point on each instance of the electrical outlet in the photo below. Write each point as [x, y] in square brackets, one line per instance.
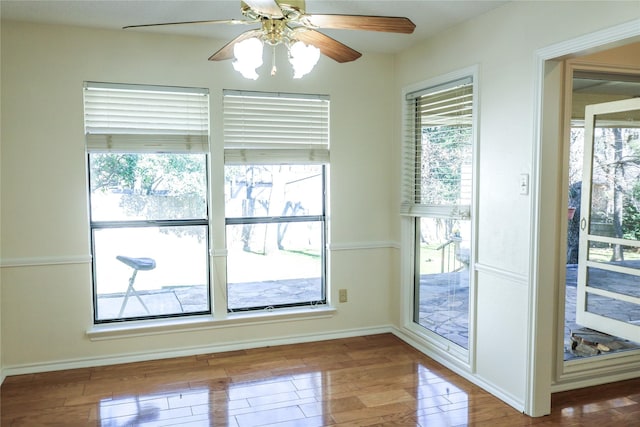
[342, 295]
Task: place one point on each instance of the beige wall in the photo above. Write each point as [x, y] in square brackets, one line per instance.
[624, 56]
[44, 218]
[503, 44]
[45, 242]
[623, 59]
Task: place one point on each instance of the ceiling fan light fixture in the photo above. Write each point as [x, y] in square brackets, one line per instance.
[248, 57]
[286, 22]
[303, 58]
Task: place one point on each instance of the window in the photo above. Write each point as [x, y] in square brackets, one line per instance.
[147, 165]
[276, 162]
[437, 197]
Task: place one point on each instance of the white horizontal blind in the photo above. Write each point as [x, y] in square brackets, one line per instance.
[275, 128]
[121, 117]
[437, 154]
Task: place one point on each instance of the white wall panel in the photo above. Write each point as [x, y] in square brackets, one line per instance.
[502, 344]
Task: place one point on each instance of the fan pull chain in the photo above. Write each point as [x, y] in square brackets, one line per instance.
[274, 69]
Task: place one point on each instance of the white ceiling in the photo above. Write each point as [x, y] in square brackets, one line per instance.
[430, 17]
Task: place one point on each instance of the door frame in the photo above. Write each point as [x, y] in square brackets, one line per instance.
[571, 374]
[588, 319]
[545, 367]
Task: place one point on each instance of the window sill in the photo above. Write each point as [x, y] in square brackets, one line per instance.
[196, 323]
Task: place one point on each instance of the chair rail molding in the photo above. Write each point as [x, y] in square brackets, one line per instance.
[44, 261]
[516, 278]
[354, 246]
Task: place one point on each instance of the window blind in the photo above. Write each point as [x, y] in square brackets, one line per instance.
[437, 162]
[121, 117]
[275, 128]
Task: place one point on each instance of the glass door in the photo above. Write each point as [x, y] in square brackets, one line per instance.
[608, 297]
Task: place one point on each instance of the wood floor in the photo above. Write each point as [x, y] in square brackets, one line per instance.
[365, 381]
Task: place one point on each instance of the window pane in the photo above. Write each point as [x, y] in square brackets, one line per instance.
[442, 288]
[615, 186]
[605, 252]
[612, 308]
[170, 266]
[141, 186]
[273, 190]
[275, 264]
[620, 283]
[446, 165]
[444, 154]
[148, 270]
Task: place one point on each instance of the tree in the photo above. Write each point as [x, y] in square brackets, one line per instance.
[631, 218]
[616, 165]
[617, 155]
[618, 191]
[152, 186]
[111, 171]
[573, 229]
[444, 152]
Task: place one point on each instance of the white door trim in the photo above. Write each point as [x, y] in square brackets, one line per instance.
[540, 372]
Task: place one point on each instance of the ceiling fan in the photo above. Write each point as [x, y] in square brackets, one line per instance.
[286, 22]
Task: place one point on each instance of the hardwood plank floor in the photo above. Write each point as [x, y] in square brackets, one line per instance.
[364, 381]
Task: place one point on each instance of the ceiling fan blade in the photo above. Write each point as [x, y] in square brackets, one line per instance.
[298, 5]
[388, 24]
[226, 52]
[328, 46]
[269, 8]
[225, 21]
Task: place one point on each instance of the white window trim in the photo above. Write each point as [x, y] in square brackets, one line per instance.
[110, 331]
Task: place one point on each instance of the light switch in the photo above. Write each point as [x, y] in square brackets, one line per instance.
[524, 184]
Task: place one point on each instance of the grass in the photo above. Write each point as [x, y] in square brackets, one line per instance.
[604, 254]
[243, 266]
[431, 259]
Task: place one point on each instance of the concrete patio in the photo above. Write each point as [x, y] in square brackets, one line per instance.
[192, 299]
[444, 302]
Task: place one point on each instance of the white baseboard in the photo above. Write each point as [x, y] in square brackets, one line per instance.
[590, 382]
[89, 362]
[432, 353]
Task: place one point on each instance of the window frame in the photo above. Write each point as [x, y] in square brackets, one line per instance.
[266, 220]
[96, 226]
[299, 149]
[192, 138]
[412, 212]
